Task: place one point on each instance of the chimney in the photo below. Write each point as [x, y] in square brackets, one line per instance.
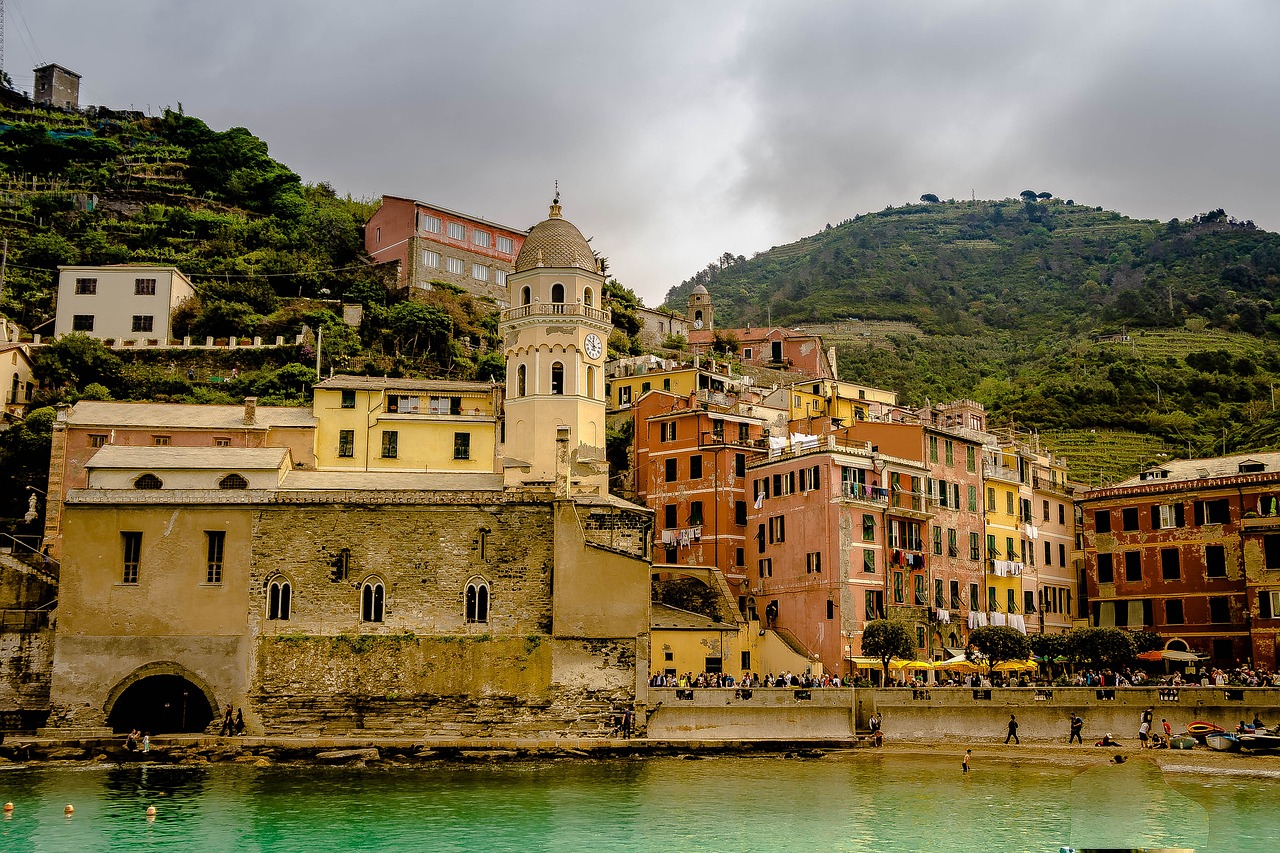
[250, 410]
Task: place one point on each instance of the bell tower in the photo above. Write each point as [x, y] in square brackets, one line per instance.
[555, 335]
[701, 312]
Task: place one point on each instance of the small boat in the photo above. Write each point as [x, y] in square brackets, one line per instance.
[1223, 742]
[1261, 740]
[1182, 742]
[1199, 729]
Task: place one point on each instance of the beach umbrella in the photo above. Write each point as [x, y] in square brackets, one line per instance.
[1015, 665]
[1155, 655]
[910, 664]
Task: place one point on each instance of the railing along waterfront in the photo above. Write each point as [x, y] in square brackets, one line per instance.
[759, 697]
[564, 309]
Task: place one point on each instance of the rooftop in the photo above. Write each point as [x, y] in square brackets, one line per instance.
[391, 481]
[382, 383]
[170, 458]
[95, 413]
[1176, 470]
[555, 242]
[666, 616]
[466, 216]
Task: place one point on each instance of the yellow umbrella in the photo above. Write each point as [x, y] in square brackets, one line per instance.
[958, 663]
[910, 664]
[1015, 665]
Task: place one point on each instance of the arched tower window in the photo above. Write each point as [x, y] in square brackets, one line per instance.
[587, 299]
[477, 599]
[372, 595]
[526, 295]
[148, 481]
[279, 599]
[697, 315]
[557, 292]
[522, 377]
[557, 378]
[233, 481]
[591, 382]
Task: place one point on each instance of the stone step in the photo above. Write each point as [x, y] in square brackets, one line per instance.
[75, 734]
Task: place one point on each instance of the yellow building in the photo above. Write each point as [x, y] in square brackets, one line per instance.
[367, 423]
[1004, 473]
[682, 642]
[831, 398]
[629, 380]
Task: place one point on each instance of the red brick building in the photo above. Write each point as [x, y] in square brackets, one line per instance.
[432, 243]
[1191, 550]
[773, 347]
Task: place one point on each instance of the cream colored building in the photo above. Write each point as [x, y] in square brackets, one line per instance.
[555, 335]
[369, 423]
[124, 302]
[16, 378]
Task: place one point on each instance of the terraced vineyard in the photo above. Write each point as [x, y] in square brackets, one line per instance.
[1102, 457]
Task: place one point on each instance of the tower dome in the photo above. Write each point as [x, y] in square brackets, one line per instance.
[555, 242]
[699, 289]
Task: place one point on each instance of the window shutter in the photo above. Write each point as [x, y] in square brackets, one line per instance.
[1264, 604]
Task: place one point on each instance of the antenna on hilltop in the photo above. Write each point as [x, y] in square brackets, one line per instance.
[1, 36]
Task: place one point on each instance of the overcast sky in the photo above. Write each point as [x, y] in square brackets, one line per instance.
[682, 130]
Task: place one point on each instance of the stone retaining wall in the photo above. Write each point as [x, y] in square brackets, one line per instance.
[959, 712]
[763, 713]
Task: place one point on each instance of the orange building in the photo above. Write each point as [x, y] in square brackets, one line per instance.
[691, 469]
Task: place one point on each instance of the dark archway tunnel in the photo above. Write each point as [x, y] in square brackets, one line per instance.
[161, 704]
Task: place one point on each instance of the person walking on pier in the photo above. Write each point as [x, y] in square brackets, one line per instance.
[1013, 730]
[1077, 725]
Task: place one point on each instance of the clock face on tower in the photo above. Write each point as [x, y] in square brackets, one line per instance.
[593, 346]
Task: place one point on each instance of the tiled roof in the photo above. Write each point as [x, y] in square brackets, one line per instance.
[1205, 469]
[185, 416]
[382, 383]
[666, 616]
[391, 481]
[241, 458]
[555, 242]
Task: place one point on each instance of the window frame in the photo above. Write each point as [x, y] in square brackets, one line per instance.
[215, 551]
[373, 601]
[131, 556]
[390, 444]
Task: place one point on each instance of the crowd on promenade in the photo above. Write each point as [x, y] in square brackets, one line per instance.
[1239, 676]
[749, 680]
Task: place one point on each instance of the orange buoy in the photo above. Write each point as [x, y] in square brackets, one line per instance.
[69, 810]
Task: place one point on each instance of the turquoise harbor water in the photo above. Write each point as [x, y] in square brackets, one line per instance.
[873, 802]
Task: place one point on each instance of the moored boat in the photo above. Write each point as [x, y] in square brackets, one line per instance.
[1182, 742]
[1223, 742]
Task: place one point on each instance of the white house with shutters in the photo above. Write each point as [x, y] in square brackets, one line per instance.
[120, 302]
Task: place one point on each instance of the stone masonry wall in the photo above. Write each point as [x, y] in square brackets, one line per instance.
[616, 529]
[424, 555]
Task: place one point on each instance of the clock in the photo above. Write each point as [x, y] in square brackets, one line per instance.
[697, 324]
[594, 347]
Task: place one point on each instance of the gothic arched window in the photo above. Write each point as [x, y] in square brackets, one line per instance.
[477, 599]
[372, 595]
[279, 599]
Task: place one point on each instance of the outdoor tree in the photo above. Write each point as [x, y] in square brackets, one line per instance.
[1103, 647]
[1044, 195]
[929, 198]
[886, 639]
[76, 361]
[996, 644]
[1029, 195]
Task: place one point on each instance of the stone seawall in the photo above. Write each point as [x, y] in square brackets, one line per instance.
[26, 660]
[451, 686]
[958, 712]
[764, 713]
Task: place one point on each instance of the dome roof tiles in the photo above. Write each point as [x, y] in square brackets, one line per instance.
[555, 242]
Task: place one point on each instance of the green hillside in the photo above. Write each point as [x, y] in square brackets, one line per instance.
[1011, 302]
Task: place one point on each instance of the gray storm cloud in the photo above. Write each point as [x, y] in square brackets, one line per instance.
[679, 131]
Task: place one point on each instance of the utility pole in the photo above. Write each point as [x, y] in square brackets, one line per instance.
[319, 343]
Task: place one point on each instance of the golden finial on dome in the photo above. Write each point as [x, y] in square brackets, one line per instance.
[555, 204]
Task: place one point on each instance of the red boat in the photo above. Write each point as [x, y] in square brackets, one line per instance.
[1199, 729]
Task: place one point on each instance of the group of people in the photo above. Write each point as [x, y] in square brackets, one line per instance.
[749, 680]
[232, 724]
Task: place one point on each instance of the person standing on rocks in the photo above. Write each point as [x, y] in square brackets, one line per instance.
[1013, 730]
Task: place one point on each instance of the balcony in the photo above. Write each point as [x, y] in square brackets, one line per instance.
[865, 494]
[999, 472]
[717, 438]
[1056, 486]
[556, 309]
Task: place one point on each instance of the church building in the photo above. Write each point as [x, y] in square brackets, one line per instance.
[512, 599]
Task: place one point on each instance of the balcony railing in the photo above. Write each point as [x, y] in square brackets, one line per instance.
[999, 472]
[557, 309]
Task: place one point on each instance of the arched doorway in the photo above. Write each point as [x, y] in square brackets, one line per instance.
[160, 699]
